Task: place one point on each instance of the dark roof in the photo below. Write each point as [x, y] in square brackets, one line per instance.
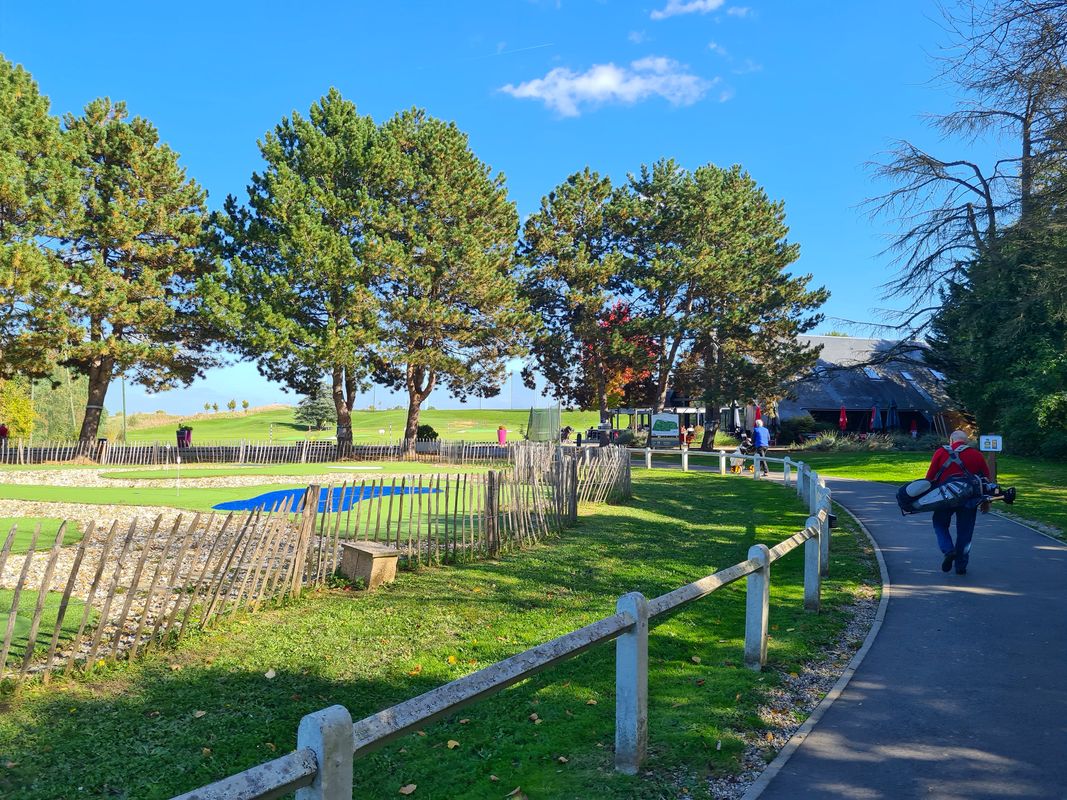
[896, 374]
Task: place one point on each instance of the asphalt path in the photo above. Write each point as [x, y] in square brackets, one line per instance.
[963, 693]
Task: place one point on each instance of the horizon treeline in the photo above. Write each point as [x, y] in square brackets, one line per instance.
[385, 253]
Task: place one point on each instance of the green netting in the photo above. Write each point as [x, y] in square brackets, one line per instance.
[544, 424]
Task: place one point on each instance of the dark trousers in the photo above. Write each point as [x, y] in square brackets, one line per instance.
[762, 459]
[965, 519]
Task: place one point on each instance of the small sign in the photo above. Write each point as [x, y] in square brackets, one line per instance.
[990, 443]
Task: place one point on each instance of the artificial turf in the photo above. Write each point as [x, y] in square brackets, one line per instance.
[24, 532]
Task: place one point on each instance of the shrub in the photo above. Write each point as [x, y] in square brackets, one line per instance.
[1055, 445]
[426, 432]
[793, 429]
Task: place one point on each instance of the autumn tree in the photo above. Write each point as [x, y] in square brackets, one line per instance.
[570, 250]
[444, 272]
[132, 259]
[37, 195]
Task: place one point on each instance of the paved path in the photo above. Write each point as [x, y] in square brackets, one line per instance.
[963, 694]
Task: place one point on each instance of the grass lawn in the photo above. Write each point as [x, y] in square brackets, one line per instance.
[24, 618]
[347, 471]
[177, 719]
[467, 424]
[1042, 483]
[24, 533]
[168, 497]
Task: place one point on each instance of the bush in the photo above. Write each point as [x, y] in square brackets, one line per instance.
[626, 438]
[792, 430]
[426, 432]
[1055, 445]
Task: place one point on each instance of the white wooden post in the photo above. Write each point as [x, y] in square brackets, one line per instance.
[631, 686]
[812, 574]
[648, 458]
[685, 459]
[813, 492]
[785, 471]
[800, 479]
[756, 461]
[722, 462]
[757, 608]
[328, 733]
[824, 531]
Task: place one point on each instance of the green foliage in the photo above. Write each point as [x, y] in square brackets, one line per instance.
[133, 257]
[58, 405]
[316, 410]
[297, 297]
[232, 405]
[427, 432]
[443, 254]
[16, 408]
[792, 430]
[37, 193]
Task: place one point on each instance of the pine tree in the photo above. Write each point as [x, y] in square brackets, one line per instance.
[37, 194]
[296, 298]
[132, 259]
[443, 250]
[316, 410]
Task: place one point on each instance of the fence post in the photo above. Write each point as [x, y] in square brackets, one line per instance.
[722, 462]
[631, 686]
[824, 531]
[685, 458]
[813, 492]
[574, 491]
[757, 608]
[786, 463]
[303, 538]
[648, 458]
[756, 460]
[492, 501]
[812, 569]
[328, 733]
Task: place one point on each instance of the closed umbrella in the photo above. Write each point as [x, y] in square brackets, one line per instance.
[892, 418]
[842, 420]
[876, 418]
[736, 416]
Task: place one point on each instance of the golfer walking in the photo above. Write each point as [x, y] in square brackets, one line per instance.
[966, 515]
[761, 440]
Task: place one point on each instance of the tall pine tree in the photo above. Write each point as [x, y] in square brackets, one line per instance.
[133, 258]
[297, 295]
[444, 274]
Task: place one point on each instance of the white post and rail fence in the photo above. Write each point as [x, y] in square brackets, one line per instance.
[321, 768]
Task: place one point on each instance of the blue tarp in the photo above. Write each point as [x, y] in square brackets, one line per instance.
[337, 500]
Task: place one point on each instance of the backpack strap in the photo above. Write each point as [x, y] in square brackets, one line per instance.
[953, 458]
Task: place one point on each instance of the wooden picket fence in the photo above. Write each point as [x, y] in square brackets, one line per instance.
[125, 588]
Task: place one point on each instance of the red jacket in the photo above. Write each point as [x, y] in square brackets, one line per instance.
[971, 458]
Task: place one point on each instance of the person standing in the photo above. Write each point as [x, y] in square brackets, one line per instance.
[761, 440]
[942, 468]
[4, 433]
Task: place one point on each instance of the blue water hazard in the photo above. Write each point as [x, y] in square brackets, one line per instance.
[339, 499]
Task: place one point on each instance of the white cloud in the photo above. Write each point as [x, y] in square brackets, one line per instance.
[718, 49]
[637, 37]
[738, 11]
[748, 66]
[566, 91]
[675, 7]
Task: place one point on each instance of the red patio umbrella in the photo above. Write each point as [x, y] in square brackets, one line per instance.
[842, 420]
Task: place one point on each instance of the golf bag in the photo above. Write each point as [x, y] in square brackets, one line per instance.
[959, 491]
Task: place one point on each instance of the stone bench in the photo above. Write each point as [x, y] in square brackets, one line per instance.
[371, 562]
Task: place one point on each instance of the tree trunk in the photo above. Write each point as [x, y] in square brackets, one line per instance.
[602, 395]
[342, 406]
[711, 427]
[100, 373]
[418, 391]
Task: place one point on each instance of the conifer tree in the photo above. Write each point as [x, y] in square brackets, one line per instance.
[37, 194]
[444, 240]
[132, 259]
[296, 298]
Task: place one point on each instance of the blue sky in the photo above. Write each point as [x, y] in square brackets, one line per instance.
[801, 94]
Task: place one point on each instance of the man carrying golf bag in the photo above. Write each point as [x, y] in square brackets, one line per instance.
[957, 460]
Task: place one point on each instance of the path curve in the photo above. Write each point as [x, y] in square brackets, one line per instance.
[963, 694]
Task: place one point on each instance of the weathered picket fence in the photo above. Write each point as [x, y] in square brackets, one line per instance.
[328, 742]
[128, 587]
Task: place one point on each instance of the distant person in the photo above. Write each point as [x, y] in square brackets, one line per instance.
[761, 440]
[502, 435]
[578, 440]
[942, 468]
[4, 433]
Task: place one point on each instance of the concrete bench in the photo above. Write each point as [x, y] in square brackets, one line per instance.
[371, 562]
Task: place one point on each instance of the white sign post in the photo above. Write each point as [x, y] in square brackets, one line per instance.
[664, 426]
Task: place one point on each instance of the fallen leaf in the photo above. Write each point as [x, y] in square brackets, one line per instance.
[569, 713]
[464, 721]
[700, 682]
[205, 751]
[493, 778]
[11, 764]
[770, 736]
[677, 705]
[793, 675]
[269, 674]
[415, 670]
[514, 792]
[696, 659]
[476, 589]
[452, 744]
[175, 667]
[472, 661]
[538, 721]
[790, 630]
[270, 746]
[408, 788]
[562, 759]
[199, 714]
[420, 733]
[590, 702]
